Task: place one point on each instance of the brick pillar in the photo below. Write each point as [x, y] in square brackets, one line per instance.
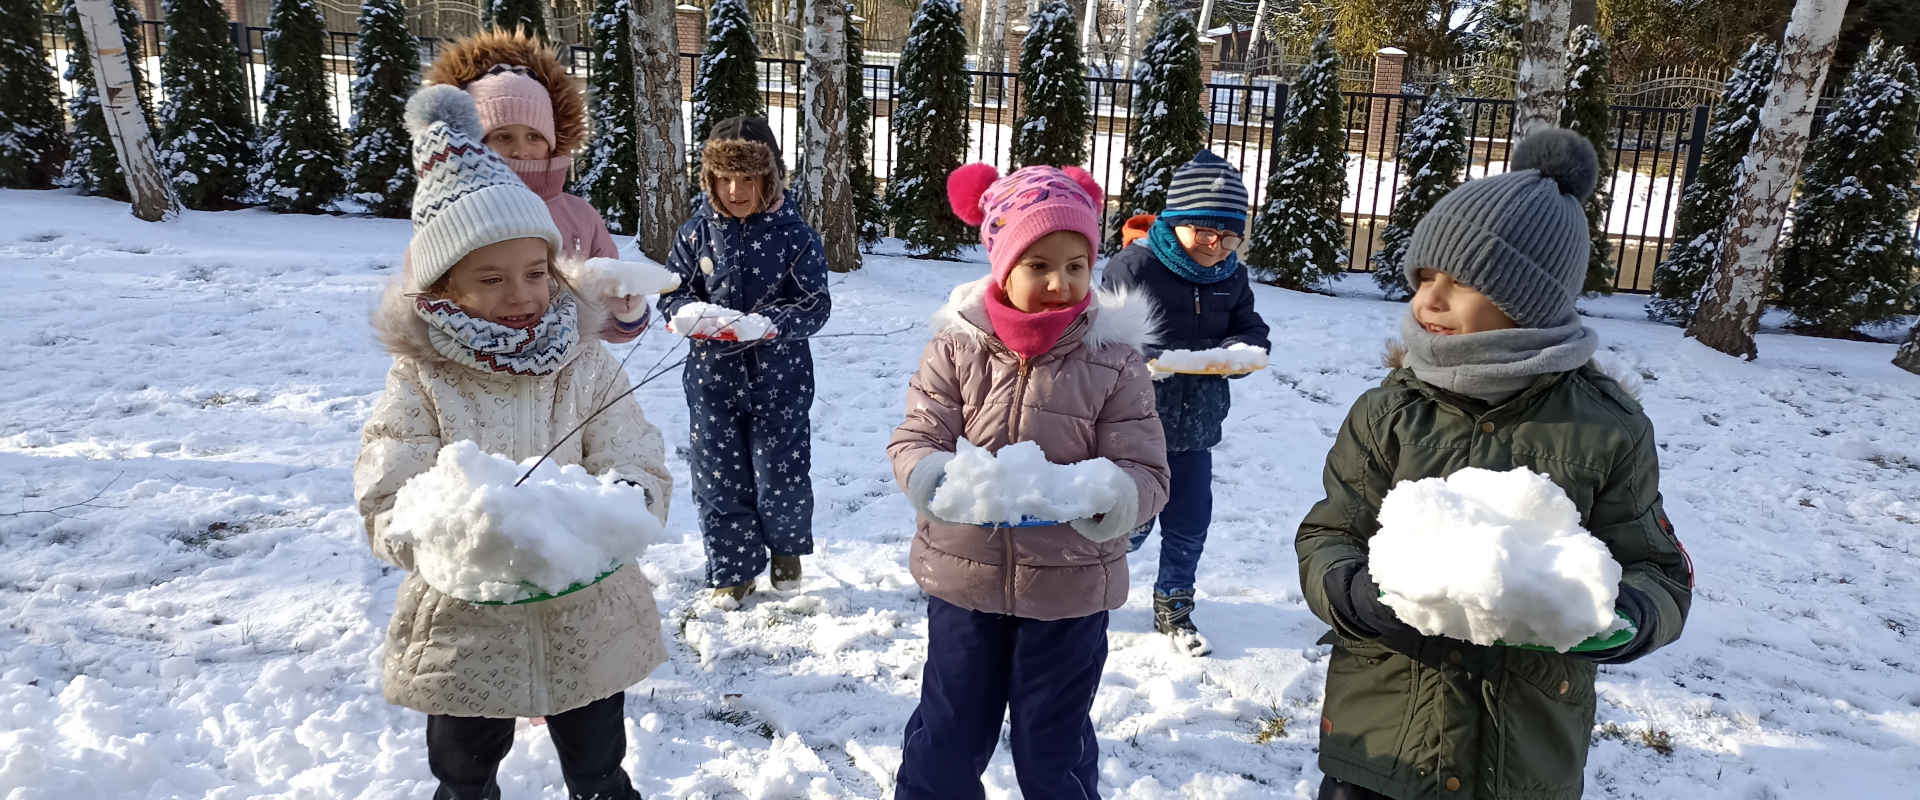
[1016, 41]
[690, 28]
[236, 10]
[1383, 117]
[1209, 61]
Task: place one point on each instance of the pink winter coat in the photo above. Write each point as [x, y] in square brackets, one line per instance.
[583, 234]
[1088, 397]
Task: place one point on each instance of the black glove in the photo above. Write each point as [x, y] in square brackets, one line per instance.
[1356, 598]
[1645, 616]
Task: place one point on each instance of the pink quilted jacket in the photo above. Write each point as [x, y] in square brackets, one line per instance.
[1090, 396]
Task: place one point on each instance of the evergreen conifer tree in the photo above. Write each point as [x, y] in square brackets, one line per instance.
[32, 133]
[527, 15]
[205, 126]
[93, 167]
[930, 130]
[728, 83]
[1052, 126]
[1849, 261]
[1171, 128]
[387, 70]
[1588, 111]
[610, 178]
[1433, 155]
[301, 153]
[869, 214]
[1297, 239]
[1708, 201]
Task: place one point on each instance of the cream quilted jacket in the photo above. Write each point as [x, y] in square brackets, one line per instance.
[447, 656]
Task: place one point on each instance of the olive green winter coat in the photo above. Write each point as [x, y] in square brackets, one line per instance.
[1461, 720]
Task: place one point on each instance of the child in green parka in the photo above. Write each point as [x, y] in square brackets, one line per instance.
[1496, 373]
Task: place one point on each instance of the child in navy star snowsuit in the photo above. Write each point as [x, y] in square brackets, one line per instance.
[748, 250]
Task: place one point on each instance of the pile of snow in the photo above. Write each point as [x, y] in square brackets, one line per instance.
[1233, 359]
[984, 488]
[709, 321]
[478, 537]
[1484, 556]
[612, 277]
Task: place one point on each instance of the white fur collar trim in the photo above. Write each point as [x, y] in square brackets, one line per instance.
[1119, 316]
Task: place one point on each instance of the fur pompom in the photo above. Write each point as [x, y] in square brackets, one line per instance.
[443, 103]
[1086, 182]
[1562, 155]
[966, 186]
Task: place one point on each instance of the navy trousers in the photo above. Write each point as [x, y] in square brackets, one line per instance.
[978, 667]
[464, 753]
[1183, 523]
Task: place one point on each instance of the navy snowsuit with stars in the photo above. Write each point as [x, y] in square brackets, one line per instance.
[748, 402]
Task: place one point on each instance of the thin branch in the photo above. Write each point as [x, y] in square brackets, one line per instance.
[87, 503]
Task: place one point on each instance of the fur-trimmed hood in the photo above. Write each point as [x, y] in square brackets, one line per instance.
[404, 334]
[467, 59]
[1116, 316]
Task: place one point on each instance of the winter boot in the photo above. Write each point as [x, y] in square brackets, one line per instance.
[1173, 616]
[785, 573]
[729, 598]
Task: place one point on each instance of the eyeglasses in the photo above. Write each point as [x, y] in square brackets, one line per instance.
[1226, 239]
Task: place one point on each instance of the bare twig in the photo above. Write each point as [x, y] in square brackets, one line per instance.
[87, 503]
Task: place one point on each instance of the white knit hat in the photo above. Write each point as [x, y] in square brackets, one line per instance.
[467, 197]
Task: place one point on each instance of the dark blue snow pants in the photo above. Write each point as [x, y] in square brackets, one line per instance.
[1184, 522]
[978, 667]
[751, 453]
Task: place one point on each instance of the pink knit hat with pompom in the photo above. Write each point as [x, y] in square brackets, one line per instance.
[1014, 211]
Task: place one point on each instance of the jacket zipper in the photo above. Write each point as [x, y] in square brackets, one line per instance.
[1196, 301]
[1013, 429]
[537, 649]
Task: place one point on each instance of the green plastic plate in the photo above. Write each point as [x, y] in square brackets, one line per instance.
[541, 595]
[1601, 642]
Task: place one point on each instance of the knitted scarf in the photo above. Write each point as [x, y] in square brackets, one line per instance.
[1495, 365]
[492, 347]
[1166, 245]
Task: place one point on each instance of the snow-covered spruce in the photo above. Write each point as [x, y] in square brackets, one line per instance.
[31, 130]
[1171, 127]
[980, 487]
[1052, 126]
[727, 84]
[1236, 358]
[930, 131]
[302, 158]
[610, 173]
[1297, 240]
[476, 536]
[1588, 111]
[386, 71]
[1485, 556]
[1849, 259]
[709, 321]
[1707, 202]
[206, 131]
[1433, 154]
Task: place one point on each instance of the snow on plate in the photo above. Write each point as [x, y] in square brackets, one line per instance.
[614, 277]
[710, 321]
[984, 488]
[478, 537]
[1489, 556]
[1233, 359]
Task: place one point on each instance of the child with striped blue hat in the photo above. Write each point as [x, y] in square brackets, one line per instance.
[1188, 261]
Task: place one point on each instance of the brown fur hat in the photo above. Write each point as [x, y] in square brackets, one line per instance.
[468, 59]
[744, 146]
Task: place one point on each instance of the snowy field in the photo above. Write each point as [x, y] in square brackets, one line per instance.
[201, 618]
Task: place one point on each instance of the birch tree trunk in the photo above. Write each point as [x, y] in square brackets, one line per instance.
[1259, 31]
[1735, 296]
[831, 212]
[656, 112]
[1908, 356]
[1089, 17]
[1543, 65]
[1130, 41]
[997, 40]
[153, 197]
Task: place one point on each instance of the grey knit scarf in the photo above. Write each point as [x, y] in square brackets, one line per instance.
[1495, 365]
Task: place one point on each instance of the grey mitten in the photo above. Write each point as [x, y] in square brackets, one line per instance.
[1119, 520]
[924, 479]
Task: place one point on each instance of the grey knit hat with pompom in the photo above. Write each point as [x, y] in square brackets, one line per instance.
[466, 197]
[1519, 238]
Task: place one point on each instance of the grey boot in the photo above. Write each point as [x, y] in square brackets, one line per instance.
[1173, 616]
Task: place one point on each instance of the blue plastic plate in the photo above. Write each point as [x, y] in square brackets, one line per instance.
[1025, 522]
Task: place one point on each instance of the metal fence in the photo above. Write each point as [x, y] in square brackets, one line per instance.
[1653, 149]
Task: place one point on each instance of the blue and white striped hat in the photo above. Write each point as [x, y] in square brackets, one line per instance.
[1208, 192]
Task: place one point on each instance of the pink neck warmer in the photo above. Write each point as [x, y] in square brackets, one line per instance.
[1030, 335]
[546, 176]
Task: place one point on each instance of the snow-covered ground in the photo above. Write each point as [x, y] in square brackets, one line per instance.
[206, 622]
